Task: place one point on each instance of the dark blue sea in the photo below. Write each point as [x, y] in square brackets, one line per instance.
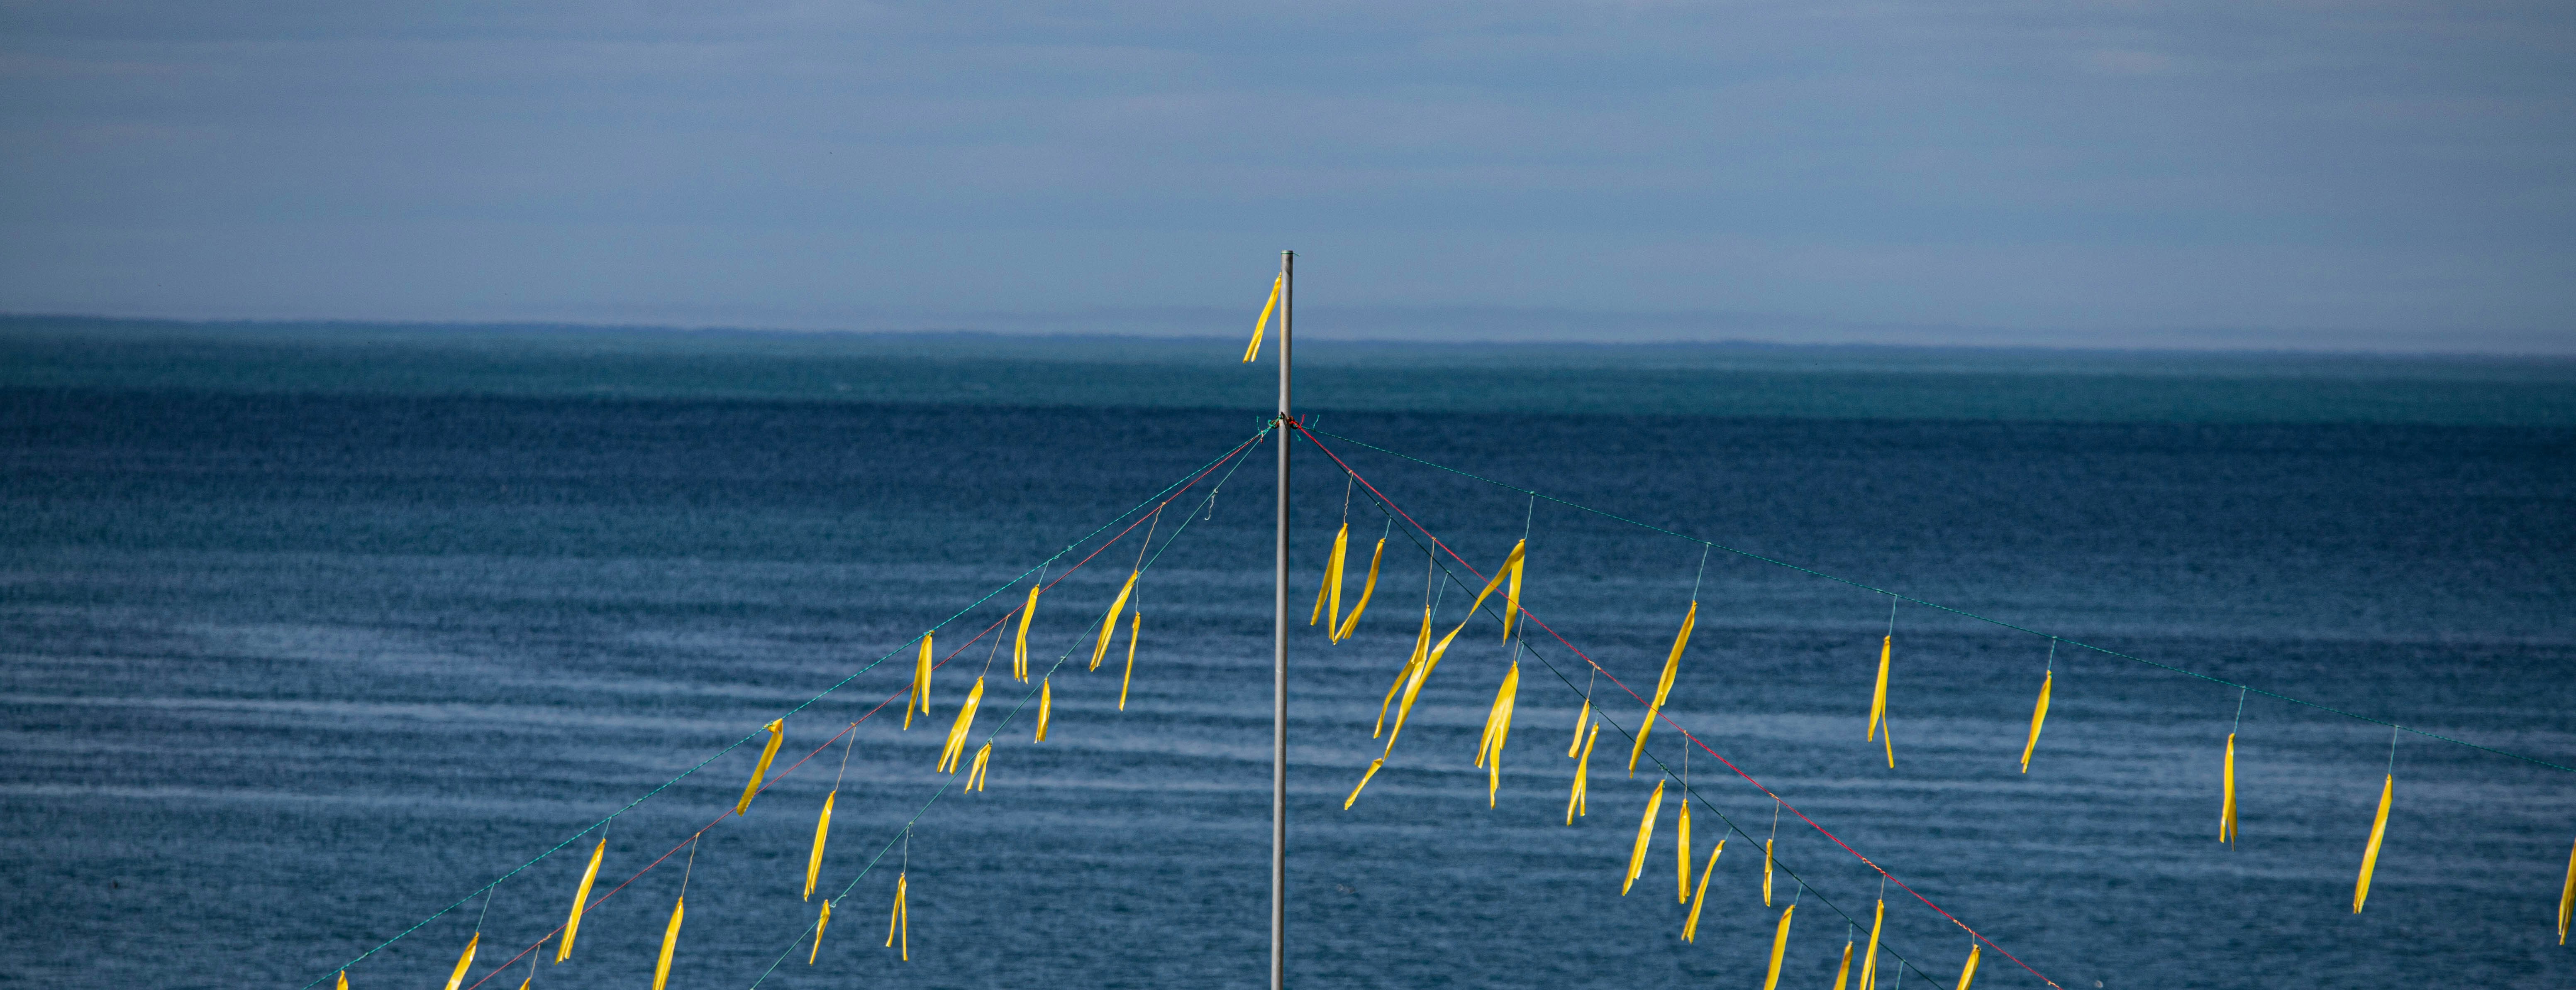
[294, 660]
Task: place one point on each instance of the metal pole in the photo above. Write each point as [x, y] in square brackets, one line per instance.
[1279, 651]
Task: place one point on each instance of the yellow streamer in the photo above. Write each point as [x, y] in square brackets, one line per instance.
[1574, 801]
[1779, 948]
[1842, 977]
[1682, 853]
[1699, 896]
[580, 896]
[1766, 872]
[820, 923]
[1135, 628]
[1109, 624]
[2370, 856]
[1968, 973]
[975, 775]
[1333, 583]
[1364, 779]
[1878, 696]
[670, 941]
[1253, 350]
[2227, 795]
[1510, 571]
[822, 831]
[1324, 586]
[956, 748]
[1421, 644]
[1869, 963]
[1420, 670]
[1878, 703]
[344, 980]
[1020, 646]
[1413, 686]
[1581, 716]
[1046, 706]
[901, 918]
[1645, 835]
[1501, 574]
[464, 962]
[1512, 598]
[1498, 728]
[777, 731]
[2038, 716]
[1663, 686]
[920, 683]
[2567, 898]
[1367, 589]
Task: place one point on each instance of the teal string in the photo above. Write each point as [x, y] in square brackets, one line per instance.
[1605, 718]
[1962, 613]
[757, 733]
[905, 836]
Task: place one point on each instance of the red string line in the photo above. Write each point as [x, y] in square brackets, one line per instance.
[772, 780]
[1668, 719]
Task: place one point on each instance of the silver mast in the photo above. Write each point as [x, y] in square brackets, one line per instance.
[1279, 651]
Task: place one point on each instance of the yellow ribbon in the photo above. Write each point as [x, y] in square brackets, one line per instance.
[2370, 856]
[1253, 349]
[777, 731]
[580, 896]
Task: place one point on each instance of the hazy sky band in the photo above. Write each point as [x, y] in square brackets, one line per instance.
[2359, 175]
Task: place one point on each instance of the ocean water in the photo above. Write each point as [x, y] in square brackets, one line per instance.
[292, 664]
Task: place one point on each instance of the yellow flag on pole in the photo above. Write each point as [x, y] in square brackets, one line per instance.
[1253, 350]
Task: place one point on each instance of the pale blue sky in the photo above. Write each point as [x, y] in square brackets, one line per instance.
[2229, 174]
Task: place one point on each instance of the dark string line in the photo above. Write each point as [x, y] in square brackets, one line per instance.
[1201, 472]
[1604, 717]
[1665, 768]
[1897, 597]
[1006, 719]
[880, 706]
[1387, 505]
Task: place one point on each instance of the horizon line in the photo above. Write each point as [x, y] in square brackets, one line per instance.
[1043, 329]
